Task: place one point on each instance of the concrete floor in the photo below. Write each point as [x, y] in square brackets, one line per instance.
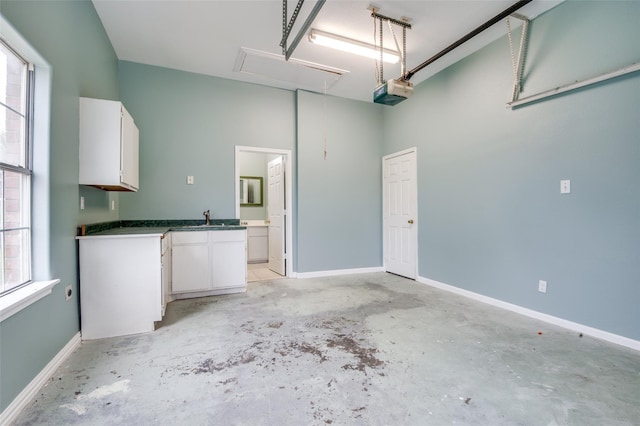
[370, 349]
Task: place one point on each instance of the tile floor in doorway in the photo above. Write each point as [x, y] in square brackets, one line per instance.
[260, 272]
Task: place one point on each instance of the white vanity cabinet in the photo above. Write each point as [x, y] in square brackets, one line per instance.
[109, 146]
[258, 244]
[207, 263]
[120, 284]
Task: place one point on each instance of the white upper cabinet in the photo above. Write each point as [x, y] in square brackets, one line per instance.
[108, 146]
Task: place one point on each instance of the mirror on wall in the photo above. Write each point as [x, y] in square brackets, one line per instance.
[251, 191]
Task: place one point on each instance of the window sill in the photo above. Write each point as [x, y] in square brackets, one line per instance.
[13, 303]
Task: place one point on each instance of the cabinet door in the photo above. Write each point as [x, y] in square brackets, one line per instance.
[190, 268]
[166, 270]
[228, 258]
[129, 151]
[120, 285]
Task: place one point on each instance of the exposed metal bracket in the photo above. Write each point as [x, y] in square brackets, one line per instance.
[403, 23]
[287, 27]
[576, 85]
[518, 66]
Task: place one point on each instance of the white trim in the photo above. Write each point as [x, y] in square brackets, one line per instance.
[10, 413]
[288, 194]
[570, 325]
[16, 301]
[318, 274]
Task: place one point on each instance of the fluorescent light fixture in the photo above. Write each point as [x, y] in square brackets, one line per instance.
[352, 46]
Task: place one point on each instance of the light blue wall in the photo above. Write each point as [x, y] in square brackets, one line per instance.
[491, 216]
[70, 37]
[189, 125]
[340, 197]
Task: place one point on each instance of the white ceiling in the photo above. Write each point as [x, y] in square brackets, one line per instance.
[240, 39]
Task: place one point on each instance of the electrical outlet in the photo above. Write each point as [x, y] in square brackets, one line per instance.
[189, 180]
[68, 292]
[542, 286]
[565, 186]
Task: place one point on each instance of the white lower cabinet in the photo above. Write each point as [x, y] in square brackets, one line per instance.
[258, 244]
[228, 259]
[190, 262]
[165, 244]
[120, 285]
[206, 263]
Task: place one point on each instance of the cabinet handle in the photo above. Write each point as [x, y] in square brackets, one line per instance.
[410, 221]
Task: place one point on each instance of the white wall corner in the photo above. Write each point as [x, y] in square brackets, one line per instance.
[570, 325]
[9, 415]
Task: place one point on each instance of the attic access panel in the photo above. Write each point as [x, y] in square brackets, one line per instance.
[292, 74]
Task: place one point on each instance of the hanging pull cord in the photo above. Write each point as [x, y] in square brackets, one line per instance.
[324, 130]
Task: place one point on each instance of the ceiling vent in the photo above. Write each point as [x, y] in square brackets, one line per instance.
[292, 74]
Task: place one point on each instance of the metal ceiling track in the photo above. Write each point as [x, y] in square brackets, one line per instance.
[466, 38]
[288, 26]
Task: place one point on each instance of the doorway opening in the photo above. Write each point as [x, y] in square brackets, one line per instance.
[264, 203]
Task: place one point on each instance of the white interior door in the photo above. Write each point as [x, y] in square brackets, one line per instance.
[276, 211]
[400, 199]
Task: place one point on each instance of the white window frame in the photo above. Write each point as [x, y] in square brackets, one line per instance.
[25, 172]
[42, 283]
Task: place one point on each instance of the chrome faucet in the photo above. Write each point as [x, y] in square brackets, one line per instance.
[207, 217]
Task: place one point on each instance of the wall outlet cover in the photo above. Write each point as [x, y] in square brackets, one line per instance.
[542, 286]
[68, 292]
[565, 186]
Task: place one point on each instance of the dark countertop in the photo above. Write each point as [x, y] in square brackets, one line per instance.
[156, 227]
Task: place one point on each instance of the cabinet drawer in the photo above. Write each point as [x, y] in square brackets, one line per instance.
[257, 231]
[189, 237]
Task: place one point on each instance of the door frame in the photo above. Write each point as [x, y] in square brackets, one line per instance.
[415, 195]
[288, 195]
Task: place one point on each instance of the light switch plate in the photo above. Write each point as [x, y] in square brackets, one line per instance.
[81, 203]
[189, 180]
[565, 186]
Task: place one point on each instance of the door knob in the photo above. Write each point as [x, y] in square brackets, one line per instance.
[410, 221]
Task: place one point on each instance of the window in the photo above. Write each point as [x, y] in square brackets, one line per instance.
[15, 169]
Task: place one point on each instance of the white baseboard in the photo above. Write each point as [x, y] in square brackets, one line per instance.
[570, 325]
[318, 274]
[31, 391]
